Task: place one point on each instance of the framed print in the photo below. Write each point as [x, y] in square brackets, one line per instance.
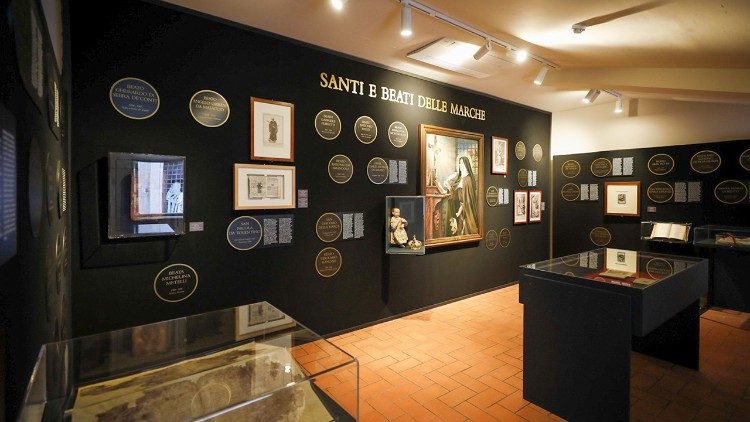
[259, 319]
[452, 183]
[271, 130]
[499, 155]
[622, 198]
[520, 206]
[260, 187]
[535, 206]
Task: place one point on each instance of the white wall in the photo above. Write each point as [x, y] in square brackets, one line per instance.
[658, 123]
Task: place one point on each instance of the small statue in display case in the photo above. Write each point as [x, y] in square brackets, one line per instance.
[398, 229]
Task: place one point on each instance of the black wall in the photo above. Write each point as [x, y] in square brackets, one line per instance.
[179, 54]
[574, 220]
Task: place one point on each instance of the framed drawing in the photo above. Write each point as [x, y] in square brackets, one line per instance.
[271, 130]
[535, 206]
[499, 155]
[520, 206]
[259, 319]
[622, 199]
[260, 187]
[452, 183]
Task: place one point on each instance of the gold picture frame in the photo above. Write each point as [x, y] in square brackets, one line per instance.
[271, 130]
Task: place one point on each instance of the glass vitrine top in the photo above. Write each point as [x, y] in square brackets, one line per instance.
[232, 358]
[635, 269]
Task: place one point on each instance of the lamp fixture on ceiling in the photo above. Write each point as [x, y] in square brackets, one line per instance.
[520, 54]
[483, 50]
[338, 4]
[618, 105]
[591, 96]
[541, 75]
[578, 28]
[405, 18]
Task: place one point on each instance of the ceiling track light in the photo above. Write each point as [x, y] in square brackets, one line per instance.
[483, 50]
[338, 4]
[405, 18]
[618, 105]
[591, 96]
[519, 54]
[541, 75]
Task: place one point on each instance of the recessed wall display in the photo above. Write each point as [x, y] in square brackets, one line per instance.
[492, 196]
[272, 130]
[328, 262]
[452, 164]
[622, 199]
[8, 189]
[660, 164]
[570, 192]
[340, 168]
[404, 218]
[175, 283]
[365, 129]
[600, 236]
[660, 192]
[146, 195]
[745, 159]
[570, 169]
[523, 178]
[398, 134]
[491, 240]
[244, 233]
[536, 152]
[499, 155]
[134, 98]
[705, 161]
[328, 227]
[520, 206]
[36, 187]
[209, 108]
[601, 167]
[263, 187]
[731, 192]
[377, 171]
[327, 124]
[520, 150]
[535, 206]
[504, 237]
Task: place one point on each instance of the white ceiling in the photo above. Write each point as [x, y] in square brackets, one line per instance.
[683, 50]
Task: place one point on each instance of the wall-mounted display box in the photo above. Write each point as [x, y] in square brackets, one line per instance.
[665, 231]
[728, 251]
[715, 236]
[195, 368]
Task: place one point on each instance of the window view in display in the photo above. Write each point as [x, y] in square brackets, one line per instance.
[404, 225]
[453, 185]
[195, 368]
[147, 195]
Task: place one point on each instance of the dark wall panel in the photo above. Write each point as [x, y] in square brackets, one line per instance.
[179, 54]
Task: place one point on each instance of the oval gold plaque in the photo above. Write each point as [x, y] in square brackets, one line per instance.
[601, 167]
[571, 169]
[660, 192]
[600, 236]
[570, 192]
[328, 262]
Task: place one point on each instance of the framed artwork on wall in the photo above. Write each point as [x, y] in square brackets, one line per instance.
[259, 187]
[452, 182]
[535, 206]
[259, 319]
[521, 206]
[622, 199]
[271, 130]
[499, 155]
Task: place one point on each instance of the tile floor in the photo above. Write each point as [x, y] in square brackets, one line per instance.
[463, 362]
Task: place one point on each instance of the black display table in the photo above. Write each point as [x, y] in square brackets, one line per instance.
[580, 326]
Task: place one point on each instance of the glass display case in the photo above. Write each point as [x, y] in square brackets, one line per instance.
[715, 236]
[665, 231]
[247, 363]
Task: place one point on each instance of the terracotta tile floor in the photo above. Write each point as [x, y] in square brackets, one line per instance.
[463, 361]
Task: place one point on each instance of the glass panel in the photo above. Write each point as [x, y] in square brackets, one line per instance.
[713, 236]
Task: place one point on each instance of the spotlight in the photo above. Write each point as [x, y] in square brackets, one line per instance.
[483, 50]
[521, 56]
[541, 75]
[405, 19]
[591, 96]
[578, 28]
[338, 4]
[618, 105]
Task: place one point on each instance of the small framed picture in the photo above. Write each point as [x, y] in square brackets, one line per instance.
[622, 199]
[259, 187]
[499, 155]
[535, 206]
[520, 206]
[271, 130]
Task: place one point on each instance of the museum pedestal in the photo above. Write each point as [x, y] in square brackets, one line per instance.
[247, 363]
[728, 252]
[581, 325]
